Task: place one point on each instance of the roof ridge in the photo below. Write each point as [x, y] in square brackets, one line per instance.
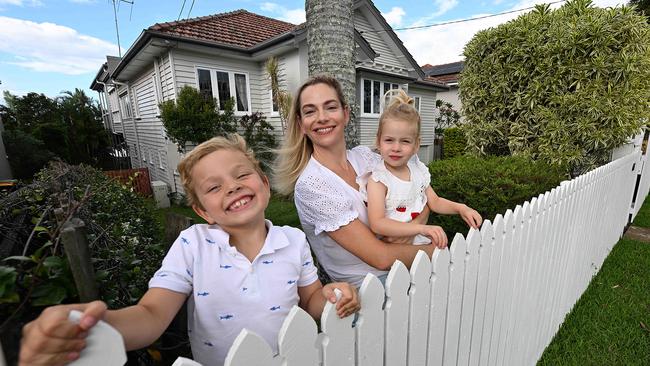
[160, 26]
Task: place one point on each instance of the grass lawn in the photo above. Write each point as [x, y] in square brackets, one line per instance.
[610, 323]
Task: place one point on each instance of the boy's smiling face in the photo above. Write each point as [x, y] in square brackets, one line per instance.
[231, 192]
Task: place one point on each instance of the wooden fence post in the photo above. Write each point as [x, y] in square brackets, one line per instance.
[75, 244]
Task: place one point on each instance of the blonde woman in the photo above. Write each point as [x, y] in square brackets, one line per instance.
[316, 168]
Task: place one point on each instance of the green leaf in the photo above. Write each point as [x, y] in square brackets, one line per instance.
[53, 262]
[21, 258]
[48, 293]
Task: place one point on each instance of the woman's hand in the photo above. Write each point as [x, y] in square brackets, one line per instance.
[470, 216]
[52, 339]
[348, 303]
[436, 234]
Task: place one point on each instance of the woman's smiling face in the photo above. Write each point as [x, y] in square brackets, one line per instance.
[322, 115]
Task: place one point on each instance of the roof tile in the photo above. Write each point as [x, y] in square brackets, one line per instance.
[238, 28]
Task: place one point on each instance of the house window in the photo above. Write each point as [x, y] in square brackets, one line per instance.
[205, 84]
[229, 85]
[372, 92]
[416, 103]
[125, 106]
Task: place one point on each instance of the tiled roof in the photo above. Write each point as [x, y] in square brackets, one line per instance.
[238, 28]
[444, 79]
[444, 69]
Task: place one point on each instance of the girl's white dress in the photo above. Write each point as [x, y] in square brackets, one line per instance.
[404, 199]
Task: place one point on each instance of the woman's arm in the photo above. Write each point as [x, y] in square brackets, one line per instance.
[357, 238]
[445, 206]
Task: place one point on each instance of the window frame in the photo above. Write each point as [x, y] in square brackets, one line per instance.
[382, 91]
[231, 86]
[125, 105]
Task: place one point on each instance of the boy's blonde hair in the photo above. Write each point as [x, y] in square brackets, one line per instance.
[399, 107]
[229, 142]
[297, 148]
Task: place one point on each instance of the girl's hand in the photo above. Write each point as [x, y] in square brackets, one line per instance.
[52, 339]
[348, 304]
[437, 235]
[471, 216]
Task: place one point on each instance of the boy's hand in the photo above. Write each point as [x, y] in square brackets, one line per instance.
[437, 235]
[348, 303]
[471, 216]
[52, 339]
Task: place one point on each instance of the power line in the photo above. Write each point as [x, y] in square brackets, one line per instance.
[181, 12]
[461, 20]
[191, 7]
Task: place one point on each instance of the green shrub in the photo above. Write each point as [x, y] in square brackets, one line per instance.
[454, 143]
[565, 86]
[122, 232]
[490, 185]
[26, 154]
[259, 137]
[194, 118]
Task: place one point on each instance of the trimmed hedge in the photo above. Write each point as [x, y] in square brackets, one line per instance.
[454, 143]
[490, 185]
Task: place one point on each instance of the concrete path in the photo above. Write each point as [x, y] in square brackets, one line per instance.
[638, 233]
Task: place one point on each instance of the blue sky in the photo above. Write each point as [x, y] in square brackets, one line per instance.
[48, 46]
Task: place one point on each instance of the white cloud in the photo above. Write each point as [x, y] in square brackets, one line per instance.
[394, 16]
[21, 2]
[443, 6]
[48, 47]
[295, 16]
[444, 44]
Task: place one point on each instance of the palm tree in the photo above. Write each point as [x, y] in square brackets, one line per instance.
[330, 40]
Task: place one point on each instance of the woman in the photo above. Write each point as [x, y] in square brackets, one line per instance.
[315, 166]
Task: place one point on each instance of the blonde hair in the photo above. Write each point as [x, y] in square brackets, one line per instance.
[296, 149]
[400, 107]
[230, 142]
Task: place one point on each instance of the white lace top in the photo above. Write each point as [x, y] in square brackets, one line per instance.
[404, 199]
[325, 202]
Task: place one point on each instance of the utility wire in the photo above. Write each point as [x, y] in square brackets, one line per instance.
[181, 12]
[191, 7]
[460, 20]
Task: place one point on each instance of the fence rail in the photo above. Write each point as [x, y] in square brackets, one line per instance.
[137, 178]
[497, 297]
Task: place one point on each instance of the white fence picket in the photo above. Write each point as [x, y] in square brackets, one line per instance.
[495, 232]
[482, 285]
[469, 296]
[455, 298]
[337, 339]
[396, 315]
[504, 285]
[370, 325]
[249, 349]
[438, 308]
[297, 339]
[419, 299]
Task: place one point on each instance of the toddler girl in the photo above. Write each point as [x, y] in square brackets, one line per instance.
[398, 187]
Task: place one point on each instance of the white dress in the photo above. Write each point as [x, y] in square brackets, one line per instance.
[404, 199]
[325, 202]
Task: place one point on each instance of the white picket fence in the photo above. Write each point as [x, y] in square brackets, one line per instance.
[497, 297]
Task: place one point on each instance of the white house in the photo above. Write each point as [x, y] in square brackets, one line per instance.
[224, 54]
[447, 74]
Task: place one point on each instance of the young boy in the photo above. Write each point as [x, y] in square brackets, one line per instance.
[241, 271]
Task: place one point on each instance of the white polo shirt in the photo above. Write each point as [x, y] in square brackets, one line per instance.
[229, 292]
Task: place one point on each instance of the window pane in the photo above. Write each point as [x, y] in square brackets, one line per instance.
[395, 86]
[241, 92]
[376, 86]
[417, 103]
[205, 84]
[223, 86]
[366, 96]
